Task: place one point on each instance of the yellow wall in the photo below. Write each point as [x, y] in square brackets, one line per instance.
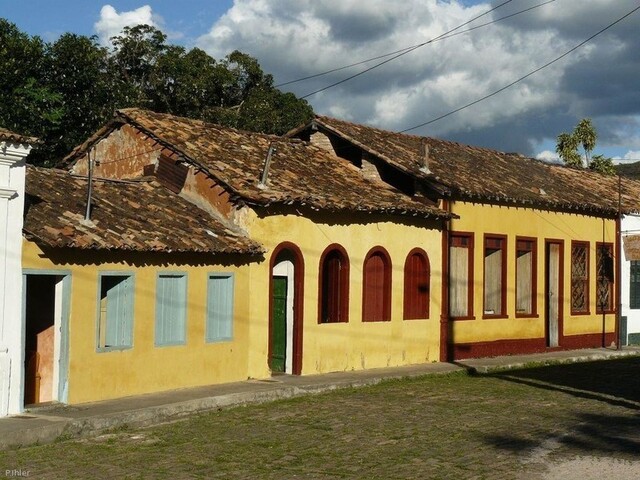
[145, 368]
[354, 345]
[511, 221]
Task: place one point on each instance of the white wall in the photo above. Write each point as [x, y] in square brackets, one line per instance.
[12, 179]
[630, 226]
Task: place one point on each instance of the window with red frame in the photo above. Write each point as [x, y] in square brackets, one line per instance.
[579, 277]
[376, 285]
[604, 278]
[416, 285]
[334, 286]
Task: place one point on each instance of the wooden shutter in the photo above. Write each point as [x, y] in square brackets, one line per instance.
[219, 308]
[117, 309]
[416, 287]
[171, 304]
[376, 289]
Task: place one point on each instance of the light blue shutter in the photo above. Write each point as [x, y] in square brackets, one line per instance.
[126, 318]
[219, 308]
[170, 309]
[119, 322]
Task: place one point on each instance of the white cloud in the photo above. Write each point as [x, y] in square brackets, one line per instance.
[548, 156]
[111, 22]
[296, 38]
[632, 155]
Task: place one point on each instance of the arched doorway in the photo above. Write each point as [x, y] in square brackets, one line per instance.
[286, 294]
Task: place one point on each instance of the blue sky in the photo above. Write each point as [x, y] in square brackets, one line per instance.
[295, 38]
[50, 18]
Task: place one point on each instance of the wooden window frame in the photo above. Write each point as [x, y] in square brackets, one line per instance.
[343, 308]
[227, 316]
[503, 274]
[409, 309]
[611, 307]
[131, 307]
[534, 277]
[587, 280]
[182, 320]
[386, 284]
[470, 236]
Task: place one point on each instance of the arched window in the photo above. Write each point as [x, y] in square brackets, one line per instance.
[333, 297]
[417, 277]
[376, 286]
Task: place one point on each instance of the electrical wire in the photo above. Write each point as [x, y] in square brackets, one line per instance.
[571, 50]
[337, 69]
[411, 49]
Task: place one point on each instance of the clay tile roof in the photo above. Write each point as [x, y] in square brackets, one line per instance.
[137, 216]
[9, 136]
[299, 174]
[489, 175]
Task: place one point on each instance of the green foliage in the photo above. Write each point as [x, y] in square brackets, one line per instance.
[583, 135]
[567, 148]
[64, 91]
[602, 164]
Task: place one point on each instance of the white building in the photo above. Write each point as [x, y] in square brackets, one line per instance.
[13, 150]
[630, 282]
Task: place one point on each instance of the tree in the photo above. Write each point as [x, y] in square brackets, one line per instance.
[64, 91]
[584, 135]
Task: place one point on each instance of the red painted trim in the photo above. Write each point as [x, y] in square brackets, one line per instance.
[498, 348]
[503, 283]
[579, 243]
[470, 283]
[534, 278]
[386, 283]
[344, 282]
[445, 350]
[407, 304]
[609, 246]
[560, 243]
[298, 302]
[588, 340]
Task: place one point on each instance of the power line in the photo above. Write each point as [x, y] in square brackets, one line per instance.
[411, 49]
[405, 49]
[524, 76]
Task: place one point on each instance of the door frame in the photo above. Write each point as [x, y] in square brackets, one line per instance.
[298, 302]
[547, 243]
[61, 339]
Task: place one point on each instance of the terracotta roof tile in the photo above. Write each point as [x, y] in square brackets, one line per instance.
[139, 216]
[7, 135]
[299, 173]
[484, 174]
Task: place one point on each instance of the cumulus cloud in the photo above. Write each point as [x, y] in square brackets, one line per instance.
[548, 156]
[296, 38]
[111, 22]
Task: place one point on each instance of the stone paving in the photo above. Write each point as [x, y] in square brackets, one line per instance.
[565, 421]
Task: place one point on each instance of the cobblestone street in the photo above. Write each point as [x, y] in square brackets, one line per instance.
[565, 421]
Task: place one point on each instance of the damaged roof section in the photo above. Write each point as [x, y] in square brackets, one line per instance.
[125, 215]
[297, 173]
[480, 174]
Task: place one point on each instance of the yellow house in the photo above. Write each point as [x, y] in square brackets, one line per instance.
[531, 252]
[178, 253]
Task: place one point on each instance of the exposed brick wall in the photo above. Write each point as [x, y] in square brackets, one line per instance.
[123, 154]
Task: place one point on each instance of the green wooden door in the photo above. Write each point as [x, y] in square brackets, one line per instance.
[279, 327]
